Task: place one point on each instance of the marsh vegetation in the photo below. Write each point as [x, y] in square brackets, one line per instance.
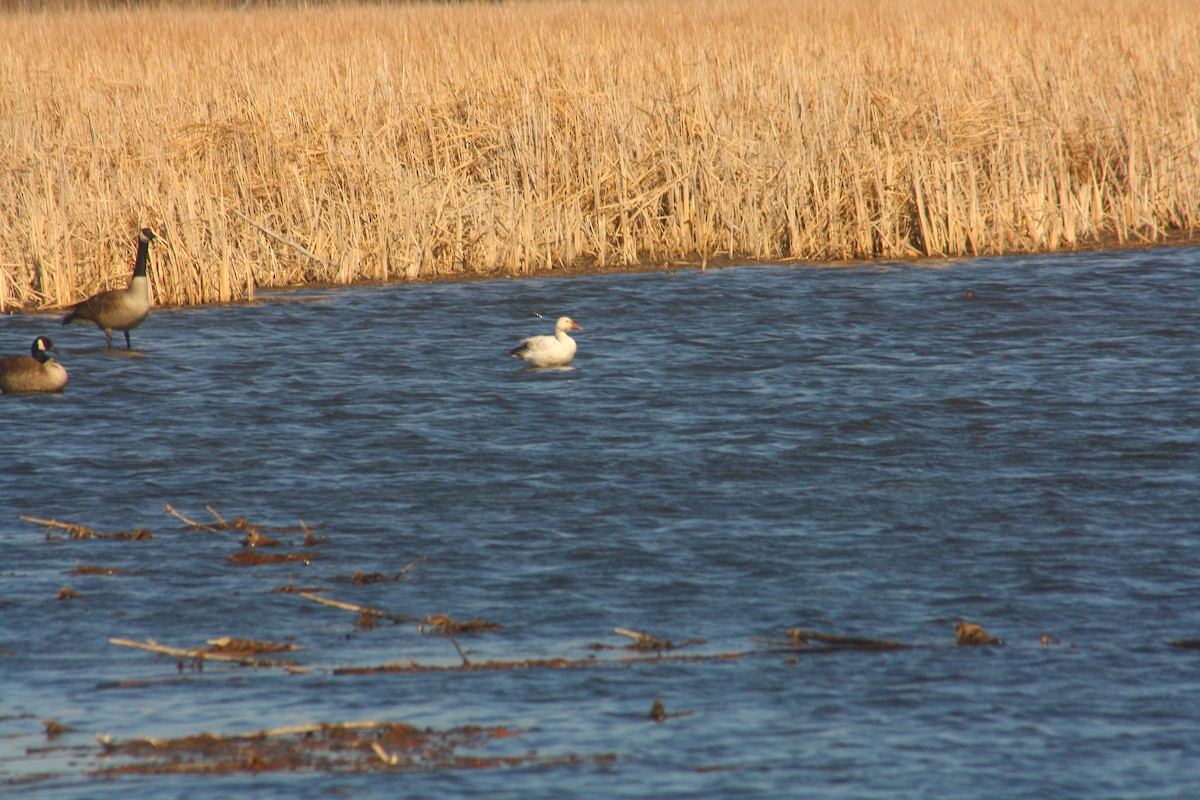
[280, 145]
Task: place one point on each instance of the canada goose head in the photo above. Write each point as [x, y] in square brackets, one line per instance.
[36, 372]
[41, 349]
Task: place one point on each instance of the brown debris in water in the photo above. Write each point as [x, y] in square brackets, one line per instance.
[591, 662]
[252, 558]
[1186, 644]
[968, 633]
[256, 539]
[658, 712]
[234, 646]
[67, 593]
[55, 729]
[360, 578]
[445, 625]
[288, 588]
[333, 748]
[94, 569]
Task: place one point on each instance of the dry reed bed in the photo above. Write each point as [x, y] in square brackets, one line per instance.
[418, 141]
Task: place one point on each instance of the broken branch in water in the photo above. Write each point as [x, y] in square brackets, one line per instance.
[241, 524]
[374, 612]
[170, 509]
[84, 532]
[200, 656]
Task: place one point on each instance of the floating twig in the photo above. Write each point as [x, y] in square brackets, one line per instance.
[170, 509]
[404, 571]
[644, 641]
[801, 637]
[375, 612]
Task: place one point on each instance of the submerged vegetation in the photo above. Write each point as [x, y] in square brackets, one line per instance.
[275, 145]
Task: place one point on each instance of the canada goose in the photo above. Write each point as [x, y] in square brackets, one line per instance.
[37, 372]
[549, 351]
[120, 309]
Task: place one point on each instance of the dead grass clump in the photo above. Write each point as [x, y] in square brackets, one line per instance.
[343, 142]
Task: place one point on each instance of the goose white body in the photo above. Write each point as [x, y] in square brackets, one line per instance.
[549, 351]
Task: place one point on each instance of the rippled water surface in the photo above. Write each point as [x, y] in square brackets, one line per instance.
[859, 451]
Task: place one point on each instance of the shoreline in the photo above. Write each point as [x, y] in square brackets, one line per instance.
[1108, 243]
[1174, 239]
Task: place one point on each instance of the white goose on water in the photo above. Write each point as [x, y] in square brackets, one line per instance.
[549, 351]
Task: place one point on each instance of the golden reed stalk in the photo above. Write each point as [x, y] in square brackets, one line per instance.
[281, 145]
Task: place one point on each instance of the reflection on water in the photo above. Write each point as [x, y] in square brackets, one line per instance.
[864, 451]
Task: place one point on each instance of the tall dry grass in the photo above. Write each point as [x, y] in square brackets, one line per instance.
[357, 142]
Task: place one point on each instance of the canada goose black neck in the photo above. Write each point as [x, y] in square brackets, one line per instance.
[143, 252]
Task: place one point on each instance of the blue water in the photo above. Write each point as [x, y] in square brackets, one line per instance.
[861, 451]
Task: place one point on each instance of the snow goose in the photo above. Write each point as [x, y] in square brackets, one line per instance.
[549, 351]
[120, 309]
[38, 372]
